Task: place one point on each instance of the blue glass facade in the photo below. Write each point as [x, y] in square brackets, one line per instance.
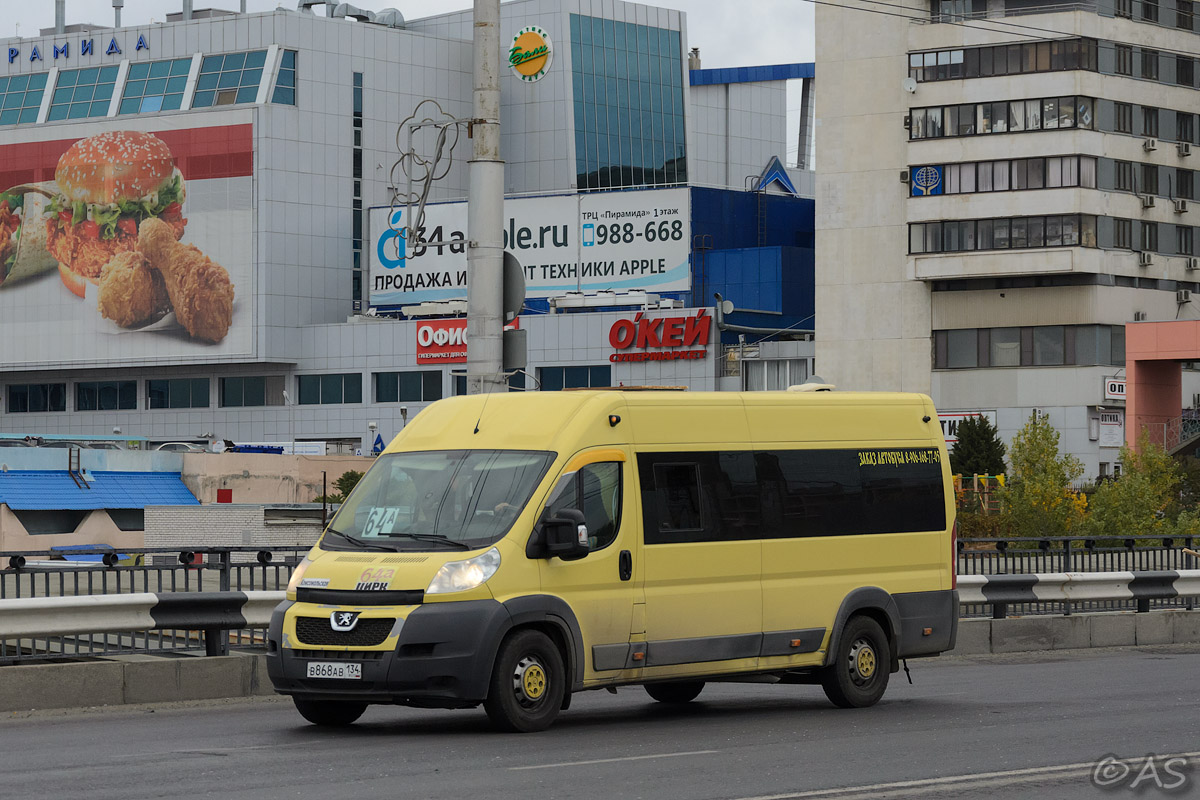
[627, 85]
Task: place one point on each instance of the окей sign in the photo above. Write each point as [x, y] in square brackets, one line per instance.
[661, 339]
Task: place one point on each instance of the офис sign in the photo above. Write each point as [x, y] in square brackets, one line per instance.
[606, 240]
[444, 341]
[660, 339]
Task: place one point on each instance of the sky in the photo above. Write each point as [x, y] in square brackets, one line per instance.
[729, 34]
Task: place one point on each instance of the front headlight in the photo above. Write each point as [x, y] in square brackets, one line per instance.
[298, 575]
[459, 576]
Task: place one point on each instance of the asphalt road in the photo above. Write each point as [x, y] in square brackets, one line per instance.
[1025, 726]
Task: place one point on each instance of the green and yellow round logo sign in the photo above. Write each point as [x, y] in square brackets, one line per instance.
[530, 53]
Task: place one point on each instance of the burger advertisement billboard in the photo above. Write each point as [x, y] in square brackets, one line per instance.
[125, 246]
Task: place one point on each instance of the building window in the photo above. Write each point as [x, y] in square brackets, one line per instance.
[408, 387]
[1124, 59]
[1183, 240]
[1184, 183]
[1123, 176]
[1048, 349]
[1123, 115]
[556, 378]
[329, 389]
[106, 396]
[177, 393]
[1185, 127]
[1123, 234]
[285, 82]
[774, 374]
[1149, 121]
[243, 392]
[82, 93]
[1184, 14]
[1150, 10]
[988, 61]
[1001, 117]
[1149, 241]
[1149, 64]
[155, 86]
[627, 88]
[356, 202]
[37, 397]
[997, 176]
[21, 98]
[1185, 70]
[1004, 347]
[229, 79]
[962, 349]
[1149, 185]
[958, 236]
[1040, 346]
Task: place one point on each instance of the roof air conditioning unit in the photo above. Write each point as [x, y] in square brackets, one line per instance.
[907, 121]
[1191, 264]
[1145, 259]
[1185, 148]
[1180, 205]
[1147, 201]
[1183, 296]
[1150, 145]
[1139, 316]
[904, 177]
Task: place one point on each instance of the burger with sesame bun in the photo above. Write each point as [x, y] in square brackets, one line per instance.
[108, 184]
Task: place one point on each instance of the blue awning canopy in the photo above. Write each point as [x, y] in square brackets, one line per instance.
[55, 490]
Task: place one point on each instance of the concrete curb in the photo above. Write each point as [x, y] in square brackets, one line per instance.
[1078, 631]
[132, 679]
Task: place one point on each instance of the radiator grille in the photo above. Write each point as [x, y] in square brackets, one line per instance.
[367, 633]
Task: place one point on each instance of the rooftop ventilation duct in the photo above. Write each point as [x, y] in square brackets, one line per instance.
[353, 12]
[60, 16]
[390, 17]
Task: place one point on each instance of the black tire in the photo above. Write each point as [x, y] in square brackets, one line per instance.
[528, 683]
[329, 713]
[676, 692]
[858, 674]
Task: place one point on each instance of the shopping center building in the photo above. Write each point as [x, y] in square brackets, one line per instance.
[639, 187]
[1003, 186]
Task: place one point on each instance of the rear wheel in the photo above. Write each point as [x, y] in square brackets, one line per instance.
[676, 692]
[329, 713]
[528, 683]
[858, 674]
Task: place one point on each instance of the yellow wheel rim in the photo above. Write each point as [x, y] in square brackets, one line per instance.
[534, 682]
[866, 662]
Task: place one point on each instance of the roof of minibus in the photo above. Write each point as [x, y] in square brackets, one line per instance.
[559, 420]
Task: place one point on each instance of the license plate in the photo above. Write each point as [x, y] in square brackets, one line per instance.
[334, 669]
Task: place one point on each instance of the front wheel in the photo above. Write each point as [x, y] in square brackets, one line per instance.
[528, 683]
[675, 692]
[329, 713]
[858, 673]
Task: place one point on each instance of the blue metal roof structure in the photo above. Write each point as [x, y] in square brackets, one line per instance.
[768, 72]
[54, 490]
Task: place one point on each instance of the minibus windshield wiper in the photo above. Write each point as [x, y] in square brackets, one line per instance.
[359, 542]
[429, 537]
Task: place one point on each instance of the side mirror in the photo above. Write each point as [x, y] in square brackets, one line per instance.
[564, 535]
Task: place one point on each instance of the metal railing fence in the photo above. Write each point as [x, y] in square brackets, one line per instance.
[43, 573]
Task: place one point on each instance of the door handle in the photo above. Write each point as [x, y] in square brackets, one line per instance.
[625, 565]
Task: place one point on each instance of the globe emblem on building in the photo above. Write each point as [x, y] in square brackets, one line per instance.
[927, 179]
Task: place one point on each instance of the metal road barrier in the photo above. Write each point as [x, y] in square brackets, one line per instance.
[1080, 590]
[1074, 554]
[213, 613]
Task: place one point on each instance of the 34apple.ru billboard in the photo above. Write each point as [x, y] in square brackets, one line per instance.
[603, 240]
[127, 246]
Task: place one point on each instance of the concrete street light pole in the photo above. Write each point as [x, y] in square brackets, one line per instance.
[485, 212]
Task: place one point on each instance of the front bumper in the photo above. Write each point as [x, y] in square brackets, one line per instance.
[443, 658]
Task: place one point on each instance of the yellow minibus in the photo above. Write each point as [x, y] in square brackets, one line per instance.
[512, 549]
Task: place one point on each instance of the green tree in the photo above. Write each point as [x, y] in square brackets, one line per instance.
[978, 450]
[1144, 501]
[1038, 499]
[347, 482]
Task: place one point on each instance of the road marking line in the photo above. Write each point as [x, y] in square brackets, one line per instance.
[959, 781]
[611, 760]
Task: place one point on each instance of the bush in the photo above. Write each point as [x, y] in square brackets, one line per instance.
[347, 482]
[978, 450]
[1144, 501]
[1038, 499]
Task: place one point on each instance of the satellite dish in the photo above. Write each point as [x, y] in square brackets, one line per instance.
[909, 85]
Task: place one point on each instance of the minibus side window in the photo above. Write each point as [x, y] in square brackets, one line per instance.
[594, 490]
[677, 489]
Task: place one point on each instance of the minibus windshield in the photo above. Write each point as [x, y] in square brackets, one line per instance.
[437, 499]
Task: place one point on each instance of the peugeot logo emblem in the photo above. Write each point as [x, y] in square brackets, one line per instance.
[343, 620]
